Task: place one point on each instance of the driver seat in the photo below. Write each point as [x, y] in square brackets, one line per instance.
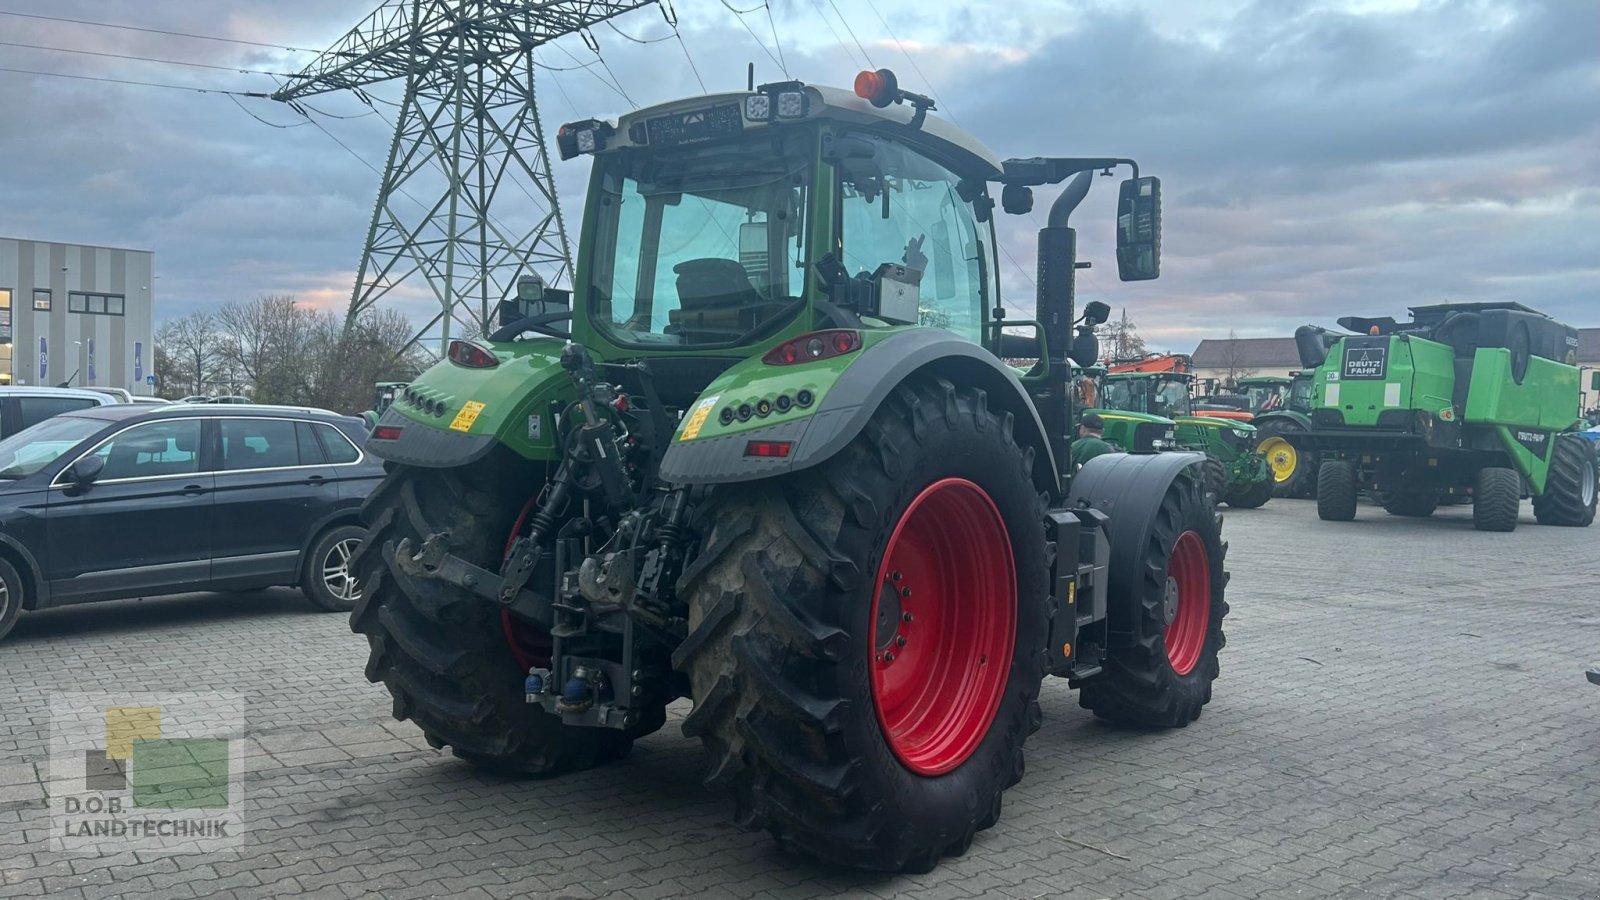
[716, 299]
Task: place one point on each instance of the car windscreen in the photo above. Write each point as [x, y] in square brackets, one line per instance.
[33, 448]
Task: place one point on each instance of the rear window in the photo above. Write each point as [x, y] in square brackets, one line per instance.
[259, 444]
[33, 410]
[339, 448]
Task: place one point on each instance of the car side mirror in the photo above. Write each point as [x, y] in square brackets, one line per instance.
[1139, 229]
[83, 472]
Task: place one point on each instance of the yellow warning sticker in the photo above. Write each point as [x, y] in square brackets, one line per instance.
[697, 419]
[469, 414]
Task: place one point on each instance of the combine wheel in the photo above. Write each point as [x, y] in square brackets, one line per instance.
[1569, 492]
[866, 637]
[1497, 499]
[446, 656]
[1336, 491]
[1171, 602]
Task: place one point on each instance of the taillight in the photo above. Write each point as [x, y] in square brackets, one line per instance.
[768, 449]
[471, 355]
[386, 433]
[814, 346]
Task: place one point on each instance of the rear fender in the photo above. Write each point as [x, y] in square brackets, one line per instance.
[1129, 488]
[707, 450]
[452, 415]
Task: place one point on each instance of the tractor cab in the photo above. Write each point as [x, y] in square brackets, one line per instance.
[1163, 394]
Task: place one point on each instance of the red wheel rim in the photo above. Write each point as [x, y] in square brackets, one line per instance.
[1188, 602]
[529, 646]
[944, 624]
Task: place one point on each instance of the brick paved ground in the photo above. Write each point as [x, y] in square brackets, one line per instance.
[1402, 713]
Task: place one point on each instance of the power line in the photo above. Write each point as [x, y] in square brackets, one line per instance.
[183, 34]
[264, 121]
[175, 87]
[740, 14]
[852, 32]
[149, 59]
[782, 63]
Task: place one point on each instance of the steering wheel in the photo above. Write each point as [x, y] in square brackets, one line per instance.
[540, 324]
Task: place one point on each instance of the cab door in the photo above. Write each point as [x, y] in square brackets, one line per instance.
[143, 526]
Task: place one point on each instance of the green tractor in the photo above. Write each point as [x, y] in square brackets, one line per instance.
[384, 394]
[767, 458]
[1467, 397]
[1148, 412]
[1282, 406]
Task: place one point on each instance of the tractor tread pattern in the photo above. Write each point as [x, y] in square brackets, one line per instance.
[767, 667]
[442, 652]
[1336, 491]
[1562, 502]
[1496, 499]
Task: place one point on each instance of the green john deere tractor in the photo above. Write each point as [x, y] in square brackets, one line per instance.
[1147, 412]
[1282, 405]
[767, 458]
[1478, 397]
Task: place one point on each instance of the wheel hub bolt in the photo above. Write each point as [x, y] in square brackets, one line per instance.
[905, 592]
[896, 575]
[905, 617]
[900, 641]
[888, 656]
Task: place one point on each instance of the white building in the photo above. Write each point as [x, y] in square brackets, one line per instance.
[76, 314]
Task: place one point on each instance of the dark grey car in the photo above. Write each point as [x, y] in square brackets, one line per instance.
[133, 501]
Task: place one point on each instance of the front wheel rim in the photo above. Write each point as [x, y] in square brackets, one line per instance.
[944, 626]
[1281, 458]
[336, 574]
[1189, 586]
[1585, 493]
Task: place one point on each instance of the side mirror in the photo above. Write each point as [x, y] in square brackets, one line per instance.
[1594, 380]
[83, 472]
[1085, 347]
[1139, 229]
[1096, 313]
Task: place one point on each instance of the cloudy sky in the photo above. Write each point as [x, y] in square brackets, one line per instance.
[1319, 157]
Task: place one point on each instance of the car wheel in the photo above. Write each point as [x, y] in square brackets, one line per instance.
[11, 597]
[328, 581]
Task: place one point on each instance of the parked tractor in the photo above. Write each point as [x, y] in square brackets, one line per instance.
[1478, 397]
[1147, 410]
[1282, 405]
[767, 458]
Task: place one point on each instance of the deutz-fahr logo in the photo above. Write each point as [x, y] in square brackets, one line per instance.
[1366, 362]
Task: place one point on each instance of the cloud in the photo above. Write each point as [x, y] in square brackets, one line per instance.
[1319, 158]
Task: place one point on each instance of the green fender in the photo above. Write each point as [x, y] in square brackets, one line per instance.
[1289, 417]
[845, 392]
[452, 415]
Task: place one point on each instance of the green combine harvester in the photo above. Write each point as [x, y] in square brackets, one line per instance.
[766, 456]
[1467, 397]
[1147, 412]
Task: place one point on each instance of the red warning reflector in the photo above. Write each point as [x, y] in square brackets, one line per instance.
[768, 449]
[387, 433]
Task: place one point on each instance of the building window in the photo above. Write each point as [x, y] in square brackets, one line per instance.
[41, 299]
[95, 304]
[5, 298]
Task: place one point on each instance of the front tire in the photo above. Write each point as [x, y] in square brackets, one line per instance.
[1174, 610]
[444, 653]
[1292, 474]
[866, 637]
[1336, 491]
[1569, 492]
[1250, 496]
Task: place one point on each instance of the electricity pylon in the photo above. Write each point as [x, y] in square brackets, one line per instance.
[466, 198]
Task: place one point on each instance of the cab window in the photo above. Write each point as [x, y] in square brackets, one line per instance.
[152, 450]
[900, 207]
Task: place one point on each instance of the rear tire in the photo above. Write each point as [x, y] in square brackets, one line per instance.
[792, 610]
[1336, 491]
[442, 652]
[1569, 491]
[1496, 499]
[11, 597]
[1301, 480]
[1412, 504]
[1163, 679]
[328, 579]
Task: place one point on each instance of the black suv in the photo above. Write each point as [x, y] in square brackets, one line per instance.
[132, 501]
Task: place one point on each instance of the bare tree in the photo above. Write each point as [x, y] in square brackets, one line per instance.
[1234, 359]
[1121, 338]
[190, 345]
